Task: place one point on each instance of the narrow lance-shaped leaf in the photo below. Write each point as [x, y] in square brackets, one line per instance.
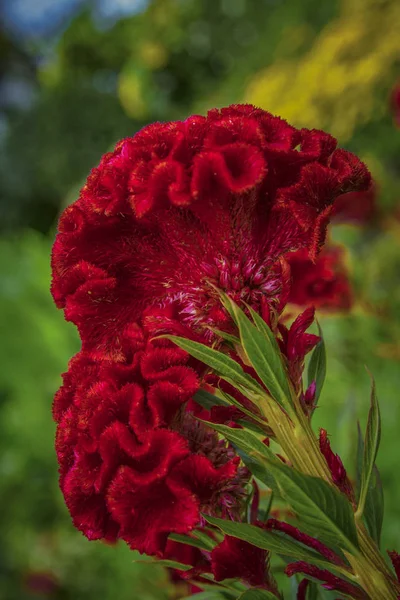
[264, 355]
[322, 509]
[371, 446]
[272, 541]
[374, 502]
[223, 365]
[317, 366]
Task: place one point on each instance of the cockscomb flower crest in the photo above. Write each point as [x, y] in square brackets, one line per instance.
[182, 205]
[171, 215]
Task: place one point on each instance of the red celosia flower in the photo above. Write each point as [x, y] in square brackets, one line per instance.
[211, 199]
[329, 581]
[132, 464]
[324, 283]
[339, 475]
[234, 558]
[177, 209]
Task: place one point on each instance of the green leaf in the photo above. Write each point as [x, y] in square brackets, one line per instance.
[325, 512]
[252, 451]
[264, 355]
[185, 539]
[205, 539]
[374, 502]
[223, 365]
[317, 366]
[257, 595]
[371, 446]
[272, 541]
[207, 400]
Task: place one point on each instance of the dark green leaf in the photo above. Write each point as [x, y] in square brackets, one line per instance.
[264, 355]
[317, 366]
[222, 364]
[371, 446]
[324, 511]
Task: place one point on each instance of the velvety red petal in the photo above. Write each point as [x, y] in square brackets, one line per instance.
[148, 514]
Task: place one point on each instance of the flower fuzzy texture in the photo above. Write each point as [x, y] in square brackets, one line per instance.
[182, 205]
[126, 471]
[170, 214]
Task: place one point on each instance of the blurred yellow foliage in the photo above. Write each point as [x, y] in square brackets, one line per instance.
[131, 93]
[153, 55]
[336, 84]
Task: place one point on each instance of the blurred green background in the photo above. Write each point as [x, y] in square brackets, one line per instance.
[75, 77]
